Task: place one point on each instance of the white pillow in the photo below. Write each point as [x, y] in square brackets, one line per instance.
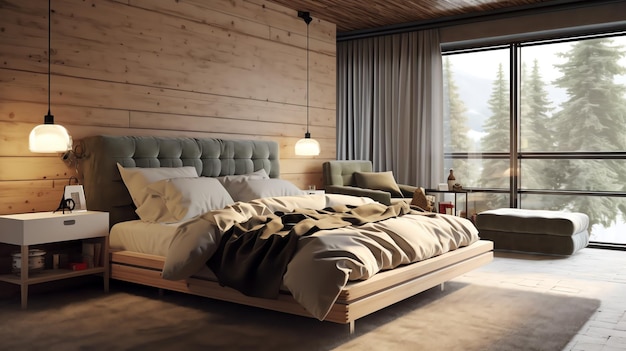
[137, 179]
[179, 199]
[290, 203]
[260, 174]
[259, 188]
[348, 200]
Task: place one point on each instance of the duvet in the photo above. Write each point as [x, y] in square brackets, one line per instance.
[310, 245]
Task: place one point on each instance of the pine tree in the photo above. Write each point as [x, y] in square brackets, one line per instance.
[593, 118]
[497, 139]
[536, 133]
[536, 116]
[455, 126]
[497, 125]
[497, 131]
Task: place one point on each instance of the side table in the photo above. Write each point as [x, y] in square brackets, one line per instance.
[39, 228]
[456, 194]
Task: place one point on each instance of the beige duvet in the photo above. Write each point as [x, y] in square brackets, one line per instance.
[326, 260]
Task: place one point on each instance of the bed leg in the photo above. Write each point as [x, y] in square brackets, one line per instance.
[443, 286]
[161, 292]
[351, 326]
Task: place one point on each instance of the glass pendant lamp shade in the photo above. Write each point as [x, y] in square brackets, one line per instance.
[49, 138]
[307, 146]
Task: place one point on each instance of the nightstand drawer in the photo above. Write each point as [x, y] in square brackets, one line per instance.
[38, 228]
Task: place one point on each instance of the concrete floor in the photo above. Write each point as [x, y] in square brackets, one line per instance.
[591, 273]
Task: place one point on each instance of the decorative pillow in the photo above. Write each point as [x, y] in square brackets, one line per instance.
[378, 181]
[420, 200]
[137, 179]
[260, 174]
[179, 199]
[259, 188]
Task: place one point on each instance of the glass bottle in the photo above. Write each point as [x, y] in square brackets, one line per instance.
[451, 180]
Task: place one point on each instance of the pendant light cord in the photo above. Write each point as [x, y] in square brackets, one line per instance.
[307, 19]
[49, 45]
[307, 78]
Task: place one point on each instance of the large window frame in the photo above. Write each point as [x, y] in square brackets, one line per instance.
[516, 155]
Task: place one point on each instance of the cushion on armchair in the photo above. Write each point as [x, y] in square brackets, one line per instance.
[378, 181]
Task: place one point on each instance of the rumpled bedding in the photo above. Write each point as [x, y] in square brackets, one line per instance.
[322, 258]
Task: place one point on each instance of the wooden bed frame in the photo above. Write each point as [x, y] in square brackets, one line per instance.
[356, 300]
[106, 192]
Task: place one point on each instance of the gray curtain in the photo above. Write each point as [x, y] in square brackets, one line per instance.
[390, 105]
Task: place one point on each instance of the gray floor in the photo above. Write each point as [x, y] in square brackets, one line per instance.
[591, 273]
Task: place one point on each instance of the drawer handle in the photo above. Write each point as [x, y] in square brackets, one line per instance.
[69, 222]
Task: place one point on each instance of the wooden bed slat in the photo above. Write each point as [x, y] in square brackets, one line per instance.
[138, 259]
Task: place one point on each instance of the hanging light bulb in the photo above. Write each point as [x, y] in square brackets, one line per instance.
[307, 146]
[49, 137]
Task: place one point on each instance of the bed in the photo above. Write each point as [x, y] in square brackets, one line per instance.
[172, 260]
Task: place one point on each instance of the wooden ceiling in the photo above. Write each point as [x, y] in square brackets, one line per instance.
[351, 15]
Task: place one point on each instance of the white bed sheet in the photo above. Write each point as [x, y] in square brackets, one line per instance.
[148, 238]
[143, 237]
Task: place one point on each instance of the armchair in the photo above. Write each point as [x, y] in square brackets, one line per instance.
[339, 178]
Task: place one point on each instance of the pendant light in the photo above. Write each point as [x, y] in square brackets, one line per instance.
[49, 137]
[307, 146]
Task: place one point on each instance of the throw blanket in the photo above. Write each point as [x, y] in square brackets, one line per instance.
[252, 256]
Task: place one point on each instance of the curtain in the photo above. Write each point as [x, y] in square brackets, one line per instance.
[390, 105]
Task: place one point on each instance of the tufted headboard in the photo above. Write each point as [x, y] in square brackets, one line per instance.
[105, 191]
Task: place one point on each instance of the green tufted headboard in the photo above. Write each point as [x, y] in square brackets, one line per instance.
[105, 191]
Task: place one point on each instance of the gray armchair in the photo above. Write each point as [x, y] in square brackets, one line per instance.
[339, 178]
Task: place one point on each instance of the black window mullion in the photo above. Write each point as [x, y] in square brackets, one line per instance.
[515, 77]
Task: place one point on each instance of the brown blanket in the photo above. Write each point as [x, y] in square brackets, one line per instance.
[253, 255]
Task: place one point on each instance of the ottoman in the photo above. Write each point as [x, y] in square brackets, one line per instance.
[538, 231]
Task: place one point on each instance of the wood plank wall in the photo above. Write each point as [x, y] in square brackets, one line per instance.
[211, 68]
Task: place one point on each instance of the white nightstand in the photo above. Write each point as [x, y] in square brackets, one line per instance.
[46, 227]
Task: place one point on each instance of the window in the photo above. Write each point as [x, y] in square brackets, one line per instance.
[542, 125]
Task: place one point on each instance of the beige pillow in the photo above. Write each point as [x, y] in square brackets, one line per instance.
[259, 188]
[137, 179]
[378, 181]
[179, 199]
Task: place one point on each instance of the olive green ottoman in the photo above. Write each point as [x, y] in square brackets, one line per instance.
[537, 231]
